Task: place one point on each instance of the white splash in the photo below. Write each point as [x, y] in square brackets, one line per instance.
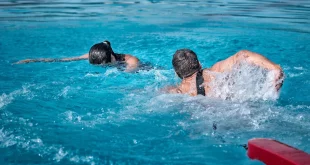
[159, 76]
[295, 71]
[299, 68]
[6, 99]
[295, 74]
[64, 91]
[111, 71]
[83, 159]
[6, 139]
[244, 82]
[92, 75]
[72, 116]
[60, 155]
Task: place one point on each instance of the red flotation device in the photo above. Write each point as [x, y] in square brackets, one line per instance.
[273, 152]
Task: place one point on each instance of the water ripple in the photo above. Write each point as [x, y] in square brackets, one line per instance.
[284, 12]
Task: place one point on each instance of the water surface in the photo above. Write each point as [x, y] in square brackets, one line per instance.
[76, 113]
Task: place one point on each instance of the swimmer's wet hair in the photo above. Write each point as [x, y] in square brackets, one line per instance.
[185, 63]
[100, 53]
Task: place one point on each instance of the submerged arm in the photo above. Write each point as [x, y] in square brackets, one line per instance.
[83, 57]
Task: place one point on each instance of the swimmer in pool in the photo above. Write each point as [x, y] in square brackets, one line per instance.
[195, 79]
[100, 53]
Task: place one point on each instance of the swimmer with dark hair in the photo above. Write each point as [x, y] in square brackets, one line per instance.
[195, 80]
[100, 53]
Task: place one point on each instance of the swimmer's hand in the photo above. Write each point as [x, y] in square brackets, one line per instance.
[279, 77]
[24, 61]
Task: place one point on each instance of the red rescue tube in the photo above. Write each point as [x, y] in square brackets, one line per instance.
[273, 152]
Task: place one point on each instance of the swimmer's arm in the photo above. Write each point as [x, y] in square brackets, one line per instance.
[252, 58]
[247, 56]
[83, 57]
[132, 63]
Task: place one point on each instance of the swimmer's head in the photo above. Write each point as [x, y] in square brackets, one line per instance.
[100, 53]
[185, 63]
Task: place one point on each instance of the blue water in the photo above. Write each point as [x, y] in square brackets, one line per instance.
[76, 113]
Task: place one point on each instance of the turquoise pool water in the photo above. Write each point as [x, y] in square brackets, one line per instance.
[76, 113]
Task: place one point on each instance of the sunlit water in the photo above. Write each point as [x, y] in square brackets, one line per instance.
[76, 113]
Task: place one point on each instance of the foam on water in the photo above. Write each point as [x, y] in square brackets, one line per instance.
[27, 142]
[232, 119]
[93, 75]
[64, 92]
[6, 99]
[296, 71]
[109, 72]
[6, 139]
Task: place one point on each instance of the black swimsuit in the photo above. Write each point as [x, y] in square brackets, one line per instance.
[199, 82]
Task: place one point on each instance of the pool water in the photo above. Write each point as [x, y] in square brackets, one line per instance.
[77, 113]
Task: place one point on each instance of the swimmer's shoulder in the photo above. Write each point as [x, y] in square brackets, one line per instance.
[208, 75]
[131, 60]
[206, 72]
[129, 57]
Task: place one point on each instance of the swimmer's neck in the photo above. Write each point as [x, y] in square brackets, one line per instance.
[193, 76]
[188, 85]
[190, 78]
